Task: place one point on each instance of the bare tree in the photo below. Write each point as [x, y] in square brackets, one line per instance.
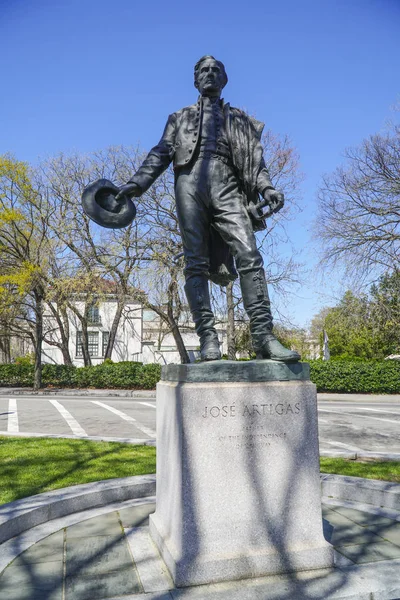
[358, 222]
[90, 254]
[138, 257]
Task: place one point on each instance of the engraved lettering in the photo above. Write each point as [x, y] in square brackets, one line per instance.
[252, 410]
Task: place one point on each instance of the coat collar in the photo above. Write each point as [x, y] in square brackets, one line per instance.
[225, 105]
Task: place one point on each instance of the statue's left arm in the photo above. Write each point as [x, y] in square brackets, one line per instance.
[272, 198]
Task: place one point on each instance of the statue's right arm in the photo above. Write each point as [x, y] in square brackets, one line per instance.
[157, 159]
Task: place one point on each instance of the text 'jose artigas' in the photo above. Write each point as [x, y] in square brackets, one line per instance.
[251, 410]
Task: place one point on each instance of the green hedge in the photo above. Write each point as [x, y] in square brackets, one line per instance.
[128, 375]
[368, 377]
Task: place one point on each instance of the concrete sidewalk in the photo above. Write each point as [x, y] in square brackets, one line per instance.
[106, 553]
[112, 556]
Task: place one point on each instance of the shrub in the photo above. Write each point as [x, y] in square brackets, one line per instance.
[28, 359]
[59, 375]
[125, 375]
[367, 377]
[342, 376]
[16, 375]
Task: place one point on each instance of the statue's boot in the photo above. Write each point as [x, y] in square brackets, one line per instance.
[258, 307]
[198, 296]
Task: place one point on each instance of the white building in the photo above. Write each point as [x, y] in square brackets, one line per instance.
[141, 336]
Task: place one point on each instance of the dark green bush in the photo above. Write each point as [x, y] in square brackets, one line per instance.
[125, 375]
[368, 377]
[341, 376]
[16, 375]
[59, 376]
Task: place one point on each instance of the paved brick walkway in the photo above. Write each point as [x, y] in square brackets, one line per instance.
[111, 556]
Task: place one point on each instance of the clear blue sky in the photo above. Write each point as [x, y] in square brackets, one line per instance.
[85, 74]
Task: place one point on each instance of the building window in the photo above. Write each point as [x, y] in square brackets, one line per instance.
[79, 351]
[106, 335]
[149, 315]
[93, 343]
[93, 315]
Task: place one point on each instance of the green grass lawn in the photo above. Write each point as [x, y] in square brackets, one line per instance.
[386, 471]
[31, 466]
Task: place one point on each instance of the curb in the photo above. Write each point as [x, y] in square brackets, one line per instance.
[383, 494]
[21, 515]
[91, 438]
[372, 456]
[77, 392]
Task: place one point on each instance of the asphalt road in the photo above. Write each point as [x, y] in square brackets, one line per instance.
[356, 423]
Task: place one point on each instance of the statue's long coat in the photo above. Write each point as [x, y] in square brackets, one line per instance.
[178, 145]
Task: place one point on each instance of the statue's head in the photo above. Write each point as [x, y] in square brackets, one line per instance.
[209, 76]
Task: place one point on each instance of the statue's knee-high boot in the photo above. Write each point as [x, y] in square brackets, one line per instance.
[198, 295]
[258, 307]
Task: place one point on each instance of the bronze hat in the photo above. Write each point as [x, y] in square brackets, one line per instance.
[98, 201]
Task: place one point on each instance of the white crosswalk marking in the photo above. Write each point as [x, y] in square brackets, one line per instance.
[150, 432]
[12, 426]
[342, 445]
[378, 410]
[148, 404]
[73, 423]
[349, 414]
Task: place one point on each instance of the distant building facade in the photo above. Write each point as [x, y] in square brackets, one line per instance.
[141, 335]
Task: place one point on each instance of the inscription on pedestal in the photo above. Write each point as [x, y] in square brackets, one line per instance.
[249, 410]
[249, 425]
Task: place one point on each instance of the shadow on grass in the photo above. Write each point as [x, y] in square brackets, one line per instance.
[54, 464]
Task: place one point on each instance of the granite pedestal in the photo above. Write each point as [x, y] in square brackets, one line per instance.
[238, 490]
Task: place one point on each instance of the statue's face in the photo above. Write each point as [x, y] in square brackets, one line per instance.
[210, 79]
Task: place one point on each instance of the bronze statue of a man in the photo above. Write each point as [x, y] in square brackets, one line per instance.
[219, 174]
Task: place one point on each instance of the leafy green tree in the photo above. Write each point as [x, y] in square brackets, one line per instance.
[385, 299]
[365, 326]
[350, 328]
[26, 251]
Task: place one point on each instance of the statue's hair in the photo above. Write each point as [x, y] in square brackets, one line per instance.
[219, 63]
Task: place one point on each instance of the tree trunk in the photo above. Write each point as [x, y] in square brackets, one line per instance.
[87, 361]
[179, 343]
[230, 329]
[5, 347]
[114, 328]
[174, 325]
[37, 380]
[63, 326]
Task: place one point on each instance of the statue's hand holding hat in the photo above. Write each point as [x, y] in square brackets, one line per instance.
[108, 205]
